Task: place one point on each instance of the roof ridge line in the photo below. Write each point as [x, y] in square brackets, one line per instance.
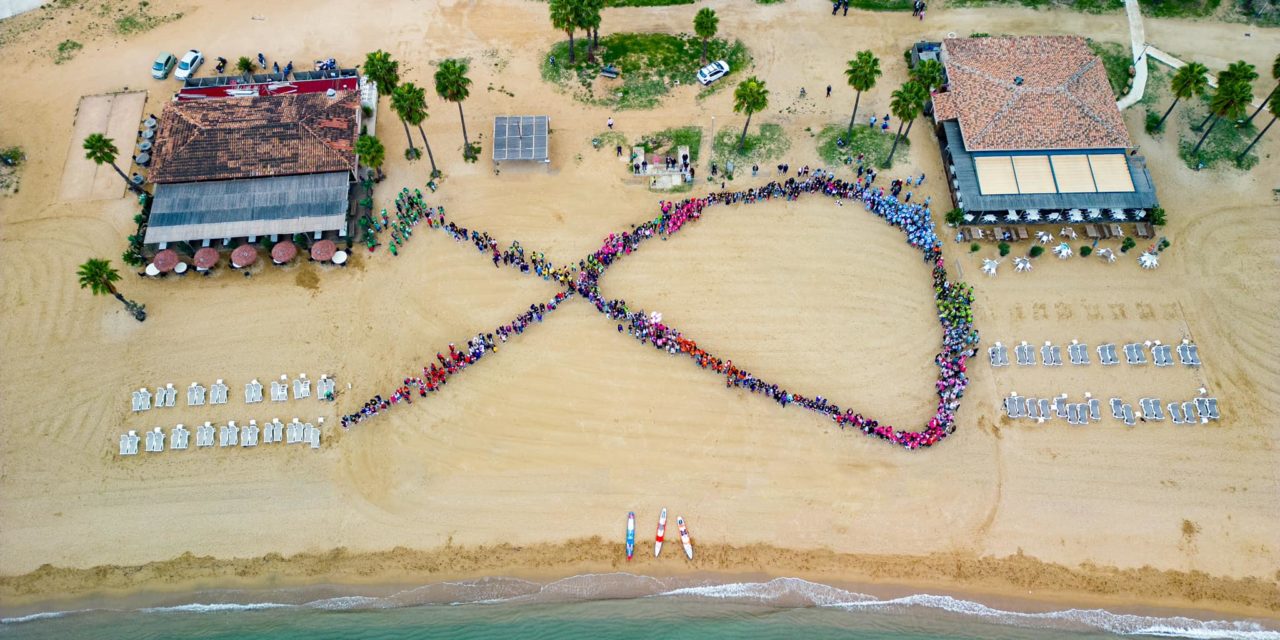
[1066, 88]
[323, 143]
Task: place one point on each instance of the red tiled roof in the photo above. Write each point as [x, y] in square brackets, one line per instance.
[256, 137]
[1064, 100]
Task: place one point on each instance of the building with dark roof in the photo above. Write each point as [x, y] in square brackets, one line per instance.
[226, 169]
[1030, 130]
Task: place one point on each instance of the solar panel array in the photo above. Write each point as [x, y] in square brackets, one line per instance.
[520, 138]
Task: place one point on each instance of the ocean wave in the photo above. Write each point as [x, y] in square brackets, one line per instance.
[217, 607]
[43, 615]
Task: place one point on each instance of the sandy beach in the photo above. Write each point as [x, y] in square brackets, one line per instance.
[528, 464]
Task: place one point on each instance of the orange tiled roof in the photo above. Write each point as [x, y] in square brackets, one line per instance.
[1064, 100]
[256, 137]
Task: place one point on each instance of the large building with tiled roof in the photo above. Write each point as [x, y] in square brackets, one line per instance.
[253, 167]
[1030, 131]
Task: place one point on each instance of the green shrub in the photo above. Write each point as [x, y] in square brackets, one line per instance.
[1004, 248]
[955, 216]
[1085, 251]
[1036, 251]
[1127, 244]
[66, 50]
[1153, 124]
[1158, 216]
[974, 248]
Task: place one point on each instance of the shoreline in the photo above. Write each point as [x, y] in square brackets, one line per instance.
[1015, 583]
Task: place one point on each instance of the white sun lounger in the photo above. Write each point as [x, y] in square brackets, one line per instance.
[1073, 414]
[218, 393]
[1117, 408]
[1128, 415]
[1033, 409]
[1175, 413]
[129, 444]
[293, 432]
[1095, 409]
[1046, 409]
[1025, 354]
[1107, 354]
[1189, 354]
[1079, 353]
[179, 438]
[1189, 412]
[204, 435]
[195, 395]
[1060, 406]
[279, 391]
[1055, 353]
[325, 387]
[311, 435]
[249, 435]
[1162, 355]
[228, 435]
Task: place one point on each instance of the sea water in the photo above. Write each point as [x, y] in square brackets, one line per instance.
[600, 607]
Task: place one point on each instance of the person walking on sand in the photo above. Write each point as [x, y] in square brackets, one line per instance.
[828, 91]
[611, 122]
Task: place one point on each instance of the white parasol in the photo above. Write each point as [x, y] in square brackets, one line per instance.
[1055, 216]
[989, 266]
[1012, 216]
[1149, 260]
[1021, 264]
[1033, 215]
[1107, 254]
[1117, 215]
[1076, 215]
[968, 217]
[1063, 251]
[656, 317]
[1095, 214]
[990, 217]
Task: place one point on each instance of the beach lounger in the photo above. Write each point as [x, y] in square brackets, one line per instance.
[1212, 405]
[1025, 354]
[1020, 406]
[1095, 409]
[1128, 415]
[1175, 413]
[1082, 409]
[301, 387]
[1189, 412]
[1060, 406]
[324, 388]
[1046, 410]
[1073, 414]
[1056, 355]
[179, 438]
[1189, 354]
[1117, 408]
[279, 391]
[128, 444]
[195, 395]
[1046, 355]
[1162, 355]
[204, 435]
[218, 393]
[170, 395]
[311, 435]
[1033, 409]
[249, 435]
[228, 435]
[293, 432]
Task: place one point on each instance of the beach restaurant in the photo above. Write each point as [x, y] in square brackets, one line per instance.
[240, 169]
[1030, 131]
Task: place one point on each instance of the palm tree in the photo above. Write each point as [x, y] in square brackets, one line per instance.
[1229, 101]
[565, 17]
[1191, 79]
[97, 275]
[382, 70]
[404, 102]
[705, 24]
[928, 74]
[589, 20]
[415, 114]
[1237, 72]
[453, 85]
[1275, 73]
[750, 96]
[861, 74]
[595, 7]
[245, 65]
[1274, 108]
[371, 152]
[102, 150]
[905, 103]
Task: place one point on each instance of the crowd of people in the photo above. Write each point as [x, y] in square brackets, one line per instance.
[953, 300]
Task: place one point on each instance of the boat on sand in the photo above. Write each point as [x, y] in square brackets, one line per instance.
[662, 533]
[684, 537]
[631, 534]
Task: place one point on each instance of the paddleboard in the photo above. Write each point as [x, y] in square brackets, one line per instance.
[684, 537]
[631, 534]
[662, 533]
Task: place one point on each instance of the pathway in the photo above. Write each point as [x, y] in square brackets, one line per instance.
[1137, 43]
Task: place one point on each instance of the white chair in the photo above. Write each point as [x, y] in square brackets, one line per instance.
[178, 438]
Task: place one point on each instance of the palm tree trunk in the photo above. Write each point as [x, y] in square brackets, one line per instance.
[854, 118]
[1169, 111]
[1203, 137]
[742, 139]
[426, 144]
[571, 52]
[595, 37]
[894, 148]
[407, 135]
[1263, 103]
[463, 118]
[704, 51]
[1255, 140]
[907, 135]
[1206, 121]
[132, 187]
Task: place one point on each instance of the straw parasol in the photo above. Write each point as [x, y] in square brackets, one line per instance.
[323, 250]
[166, 260]
[283, 252]
[205, 258]
[244, 255]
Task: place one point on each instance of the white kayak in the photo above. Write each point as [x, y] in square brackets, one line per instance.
[684, 537]
[662, 533]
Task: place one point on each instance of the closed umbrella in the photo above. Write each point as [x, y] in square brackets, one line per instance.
[244, 256]
[323, 250]
[166, 260]
[283, 252]
[205, 258]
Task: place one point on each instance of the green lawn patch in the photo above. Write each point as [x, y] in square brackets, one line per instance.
[650, 64]
[644, 3]
[769, 143]
[878, 5]
[1179, 8]
[1223, 145]
[1117, 61]
[669, 141]
[141, 19]
[1085, 6]
[611, 139]
[67, 50]
[1265, 13]
[872, 143]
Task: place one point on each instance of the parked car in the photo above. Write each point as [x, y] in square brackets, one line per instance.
[187, 67]
[713, 72]
[162, 66]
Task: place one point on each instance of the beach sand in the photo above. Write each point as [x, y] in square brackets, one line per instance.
[571, 425]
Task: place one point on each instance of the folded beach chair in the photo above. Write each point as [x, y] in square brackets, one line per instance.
[204, 435]
[195, 395]
[301, 387]
[249, 435]
[1117, 408]
[293, 432]
[1046, 411]
[1128, 415]
[324, 388]
[1095, 409]
[170, 395]
[1175, 413]
[179, 437]
[1033, 409]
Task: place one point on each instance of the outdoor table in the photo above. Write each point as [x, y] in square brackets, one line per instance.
[323, 250]
[340, 257]
[151, 270]
[145, 146]
[148, 134]
[143, 159]
[181, 269]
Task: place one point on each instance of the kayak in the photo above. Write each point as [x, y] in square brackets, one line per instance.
[684, 537]
[631, 534]
[662, 533]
